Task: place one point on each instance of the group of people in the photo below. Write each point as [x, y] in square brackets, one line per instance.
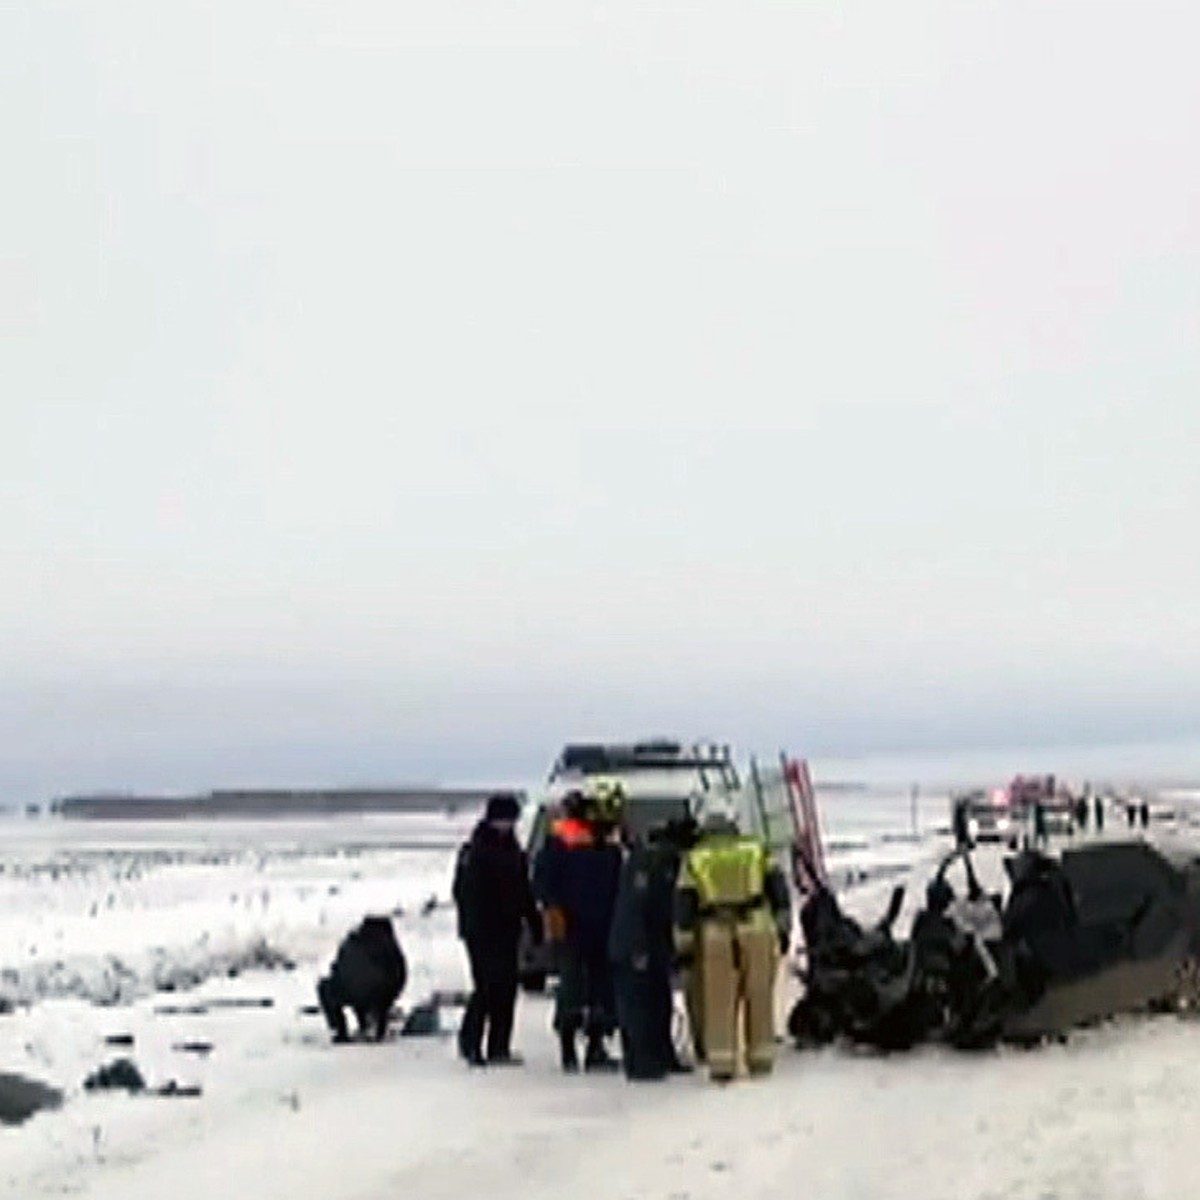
[625, 914]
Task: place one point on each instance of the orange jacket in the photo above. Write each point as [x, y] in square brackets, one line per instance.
[572, 832]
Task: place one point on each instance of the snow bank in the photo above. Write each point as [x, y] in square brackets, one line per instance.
[164, 909]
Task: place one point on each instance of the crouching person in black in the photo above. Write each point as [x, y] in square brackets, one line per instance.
[641, 946]
[494, 897]
[367, 975]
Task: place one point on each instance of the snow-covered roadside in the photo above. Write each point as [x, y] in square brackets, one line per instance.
[1108, 1115]
[112, 912]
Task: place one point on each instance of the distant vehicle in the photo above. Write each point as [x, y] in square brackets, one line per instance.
[990, 815]
[1026, 792]
[662, 779]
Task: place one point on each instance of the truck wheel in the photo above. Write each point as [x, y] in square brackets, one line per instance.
[533, 981]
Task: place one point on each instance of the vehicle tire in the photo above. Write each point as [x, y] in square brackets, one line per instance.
[533, 981]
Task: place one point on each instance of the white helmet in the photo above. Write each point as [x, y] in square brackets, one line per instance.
[716, 811]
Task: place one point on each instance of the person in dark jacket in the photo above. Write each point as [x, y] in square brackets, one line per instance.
[1041, 831]
[575, 878]
[962, 824]
[494, 898]
[641, 946]
[368, 975]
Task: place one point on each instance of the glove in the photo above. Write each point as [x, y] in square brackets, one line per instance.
[554, 923]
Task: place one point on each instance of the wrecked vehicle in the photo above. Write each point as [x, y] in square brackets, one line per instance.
[1108, 928]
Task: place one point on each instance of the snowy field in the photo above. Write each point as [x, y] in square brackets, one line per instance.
[213, 934]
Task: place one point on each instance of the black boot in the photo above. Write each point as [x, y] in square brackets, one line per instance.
[468, 1049]
[570, 1060]
[597, 1057]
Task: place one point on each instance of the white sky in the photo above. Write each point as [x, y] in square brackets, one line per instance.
[378, 374]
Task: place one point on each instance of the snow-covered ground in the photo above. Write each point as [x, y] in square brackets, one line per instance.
[95, 920]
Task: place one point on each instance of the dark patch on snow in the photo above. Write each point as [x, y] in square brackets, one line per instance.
[181, 1090]
[207, 1006]
[422, 1021]
[119, 1075]
[201, 1048]
[21, 1098]
[119, 1039]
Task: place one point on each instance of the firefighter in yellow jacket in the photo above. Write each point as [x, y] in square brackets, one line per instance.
[732, 924]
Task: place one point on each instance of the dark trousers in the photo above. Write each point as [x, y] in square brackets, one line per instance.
[334, 1000]
[645, 1006]
[585, 991]
[493, 1000]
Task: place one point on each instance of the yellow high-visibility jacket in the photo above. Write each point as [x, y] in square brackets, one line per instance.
[728, 872]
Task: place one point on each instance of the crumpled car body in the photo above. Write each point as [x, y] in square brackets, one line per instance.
[1112, 927]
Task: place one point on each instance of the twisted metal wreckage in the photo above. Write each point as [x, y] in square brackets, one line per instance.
[1106, 928]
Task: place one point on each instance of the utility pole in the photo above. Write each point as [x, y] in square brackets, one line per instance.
[913, 794]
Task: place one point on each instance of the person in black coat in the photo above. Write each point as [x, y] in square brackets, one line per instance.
[962, 825]
[641, 946]
[494, 899]
[368, 975]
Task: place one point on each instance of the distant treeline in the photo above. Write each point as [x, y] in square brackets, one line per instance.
[268, 803]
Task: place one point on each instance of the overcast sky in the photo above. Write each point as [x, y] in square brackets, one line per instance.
[394, 390]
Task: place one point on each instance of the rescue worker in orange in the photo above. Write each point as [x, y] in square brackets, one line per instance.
[575, 878]
[732, 924]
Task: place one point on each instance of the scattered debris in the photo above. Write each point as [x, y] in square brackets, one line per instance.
[120, 1075]
[173, 1089]
[207, 1006]
[201, 1048]
[21, 1098]
[423, 1021]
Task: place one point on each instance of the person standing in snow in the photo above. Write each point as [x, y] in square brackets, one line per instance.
[732, 923]
[494, 898]
[575, 878]
[1041, 833]
[642, 950]
[962, 824]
